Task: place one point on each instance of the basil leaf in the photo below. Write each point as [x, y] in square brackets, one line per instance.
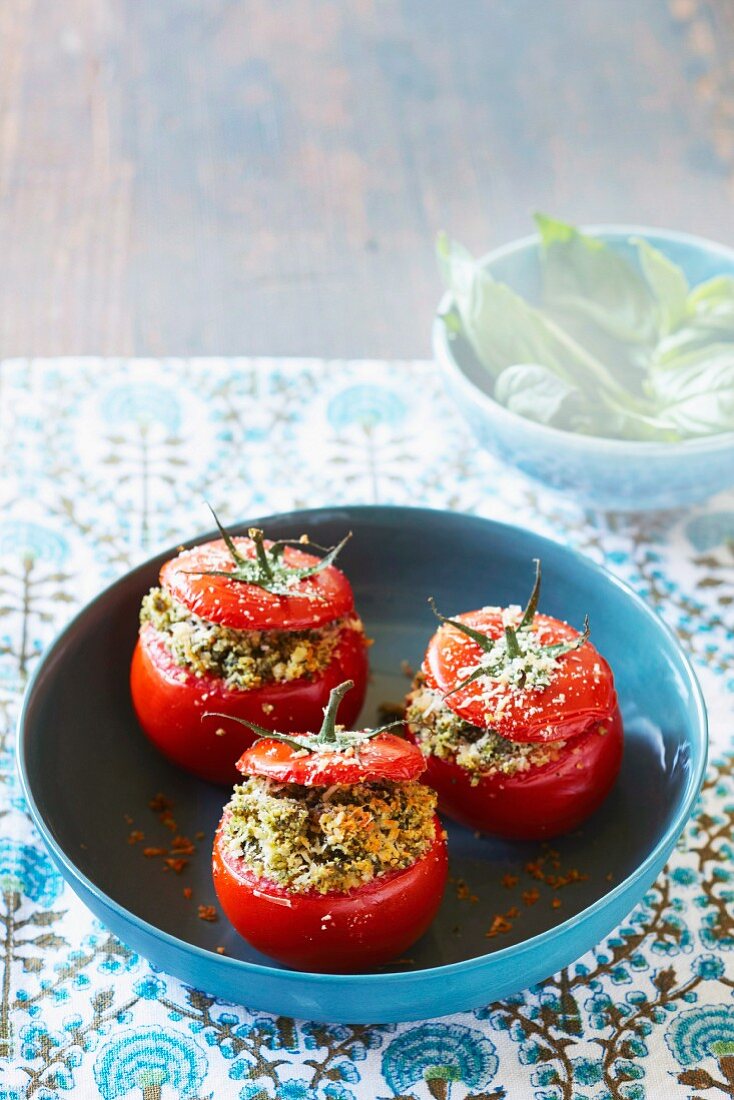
[500, 326]
[714, 299]
[535, 392]
[668, 284]
[710, 313]
[695, 393]
[584, 276]
[687, 341]
[611, 353]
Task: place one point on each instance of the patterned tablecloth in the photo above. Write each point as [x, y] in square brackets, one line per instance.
[103, 461]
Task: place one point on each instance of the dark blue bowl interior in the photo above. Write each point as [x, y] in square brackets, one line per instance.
[90, 772]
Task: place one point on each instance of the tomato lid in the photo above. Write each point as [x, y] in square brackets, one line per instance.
[527, 676]
[332, 755]
[255, 584]
[384, 756]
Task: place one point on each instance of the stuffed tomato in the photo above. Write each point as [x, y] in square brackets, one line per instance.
[330, 856]
[517, 715]
[252, 629]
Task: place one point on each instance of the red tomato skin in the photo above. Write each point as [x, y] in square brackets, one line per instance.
[383, 757]
[316, 601]
[169, 702]
[365, 928]
[541, 802]
[582, 689]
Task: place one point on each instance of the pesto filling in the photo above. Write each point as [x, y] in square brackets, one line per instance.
[442, 733]
[244, 659]
[328, 839]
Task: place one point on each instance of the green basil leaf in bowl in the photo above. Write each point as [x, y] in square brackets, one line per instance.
[583, 276]
[695, 392]
[618, 344]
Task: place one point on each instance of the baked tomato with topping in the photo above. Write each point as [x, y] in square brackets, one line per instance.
[517, 715]
[329, 856]
[257, 630]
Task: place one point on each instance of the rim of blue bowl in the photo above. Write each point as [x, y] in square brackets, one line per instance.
[698, 743]
[722, 441]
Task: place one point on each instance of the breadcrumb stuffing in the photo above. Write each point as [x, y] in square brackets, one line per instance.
[442, 733]
[244, 659]
[328, 839]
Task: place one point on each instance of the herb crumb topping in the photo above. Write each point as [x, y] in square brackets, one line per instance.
[442, 733]
[244, 659]
[328, 839]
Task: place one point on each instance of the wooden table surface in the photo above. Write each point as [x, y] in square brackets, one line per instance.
[267, 176]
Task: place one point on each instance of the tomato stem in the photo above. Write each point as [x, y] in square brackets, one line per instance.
[228, 540]
[327, 733]
[337, 740]
[513, 649]
[258, 537]
[269, 570]
[260, 731]
[560, 649]
[483, 640]
[532, 605]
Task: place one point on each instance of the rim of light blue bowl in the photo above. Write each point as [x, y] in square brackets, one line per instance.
[722, 441]
[698, 743]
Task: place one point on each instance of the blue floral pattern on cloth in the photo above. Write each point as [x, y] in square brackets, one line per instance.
[136, 446]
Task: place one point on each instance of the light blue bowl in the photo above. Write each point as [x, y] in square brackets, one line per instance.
[608, 474]
[85, 765]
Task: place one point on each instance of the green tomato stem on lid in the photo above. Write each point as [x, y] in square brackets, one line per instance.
[512, 651]
[269, 570]
[329, 737]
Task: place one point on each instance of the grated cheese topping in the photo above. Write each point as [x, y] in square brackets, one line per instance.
[531, 670]
[244, 659]
[328, 839]
[442, 733]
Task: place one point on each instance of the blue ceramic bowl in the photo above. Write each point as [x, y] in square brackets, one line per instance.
[608, 474]
[89, 773]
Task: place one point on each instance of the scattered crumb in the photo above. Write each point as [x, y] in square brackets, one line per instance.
[135, 836]
[151, 853]
[207, 912]
[176, 865]
[557, 881]
[556, 903]
[534, 868]
[182, 846]
[499, 926]
[219, 950]
[187, 892]
[160, 804]
[463, 892]
[529, 897]
[508, 881]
